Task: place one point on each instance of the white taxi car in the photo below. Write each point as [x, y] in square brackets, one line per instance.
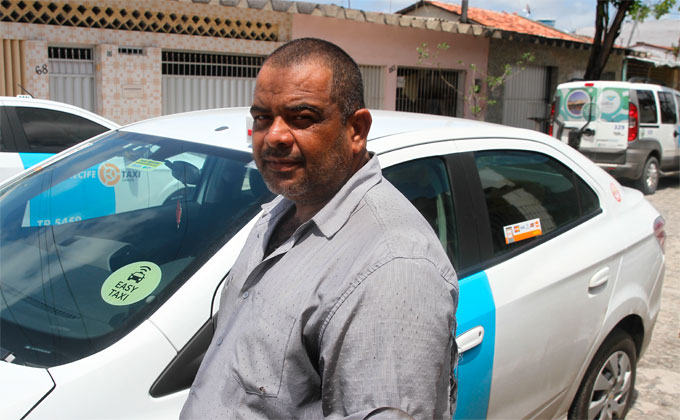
[31, 130]
[112, 256]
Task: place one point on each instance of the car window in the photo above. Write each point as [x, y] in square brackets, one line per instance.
[530, 195]
[51, 131]
[647, 106]
[425, 183]
[667, 104]
[93, 244]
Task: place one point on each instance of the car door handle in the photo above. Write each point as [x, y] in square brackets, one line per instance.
[470, 339]
[599, 278]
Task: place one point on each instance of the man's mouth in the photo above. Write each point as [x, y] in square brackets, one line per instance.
[282, 165]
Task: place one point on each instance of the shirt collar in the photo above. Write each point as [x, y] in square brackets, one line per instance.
[338, 210]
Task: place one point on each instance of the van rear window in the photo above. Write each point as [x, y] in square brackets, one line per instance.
[668, 113]
[647, 106]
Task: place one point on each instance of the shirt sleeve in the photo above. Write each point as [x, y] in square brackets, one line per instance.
[389, 343]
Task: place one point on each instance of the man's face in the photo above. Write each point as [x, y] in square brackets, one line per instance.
[300, 144]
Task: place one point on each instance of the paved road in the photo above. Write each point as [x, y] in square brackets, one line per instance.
[657, 386]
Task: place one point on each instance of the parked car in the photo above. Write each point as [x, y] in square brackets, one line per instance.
[31, 130]
[629, 129]
[109, 289]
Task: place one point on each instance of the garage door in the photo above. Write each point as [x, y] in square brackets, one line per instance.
[525, 98]
[193, 81]
[374, 86]
[71, 73]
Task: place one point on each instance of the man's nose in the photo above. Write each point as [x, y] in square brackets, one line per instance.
[279, 134]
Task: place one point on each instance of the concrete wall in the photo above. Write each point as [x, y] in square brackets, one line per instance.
[568, 63]
[394, 46]
[128, 88]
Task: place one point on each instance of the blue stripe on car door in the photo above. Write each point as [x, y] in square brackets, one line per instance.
[475, 308]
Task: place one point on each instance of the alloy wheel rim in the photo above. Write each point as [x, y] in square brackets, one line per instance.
[652, 176]
[612, 388]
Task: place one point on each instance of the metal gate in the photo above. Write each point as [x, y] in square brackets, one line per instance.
[374, 86]
[193, 81]
[429, 91]
[71, 73]
[525, 98]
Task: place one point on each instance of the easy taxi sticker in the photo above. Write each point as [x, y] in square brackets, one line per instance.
[131, 283]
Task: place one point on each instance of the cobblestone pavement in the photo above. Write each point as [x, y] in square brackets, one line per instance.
[657, 387]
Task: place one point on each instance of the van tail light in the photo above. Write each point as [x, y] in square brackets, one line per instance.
[632, 122]
[660, 232]
[552, 119]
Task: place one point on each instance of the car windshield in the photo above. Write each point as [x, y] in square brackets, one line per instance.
[94, 243]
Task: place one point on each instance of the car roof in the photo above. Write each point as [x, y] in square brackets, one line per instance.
[228, 127]
[612, 84]
[58, 106]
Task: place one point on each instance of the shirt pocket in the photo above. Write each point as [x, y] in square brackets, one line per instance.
[260, 352]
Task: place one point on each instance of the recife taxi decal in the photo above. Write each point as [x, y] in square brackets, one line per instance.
[523, 230]
[109, 174]
[131, 283]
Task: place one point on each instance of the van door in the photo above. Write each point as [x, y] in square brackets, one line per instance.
[610, 116]
[668, 131]
[650, 127]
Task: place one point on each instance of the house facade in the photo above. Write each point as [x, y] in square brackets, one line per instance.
[524, 100]
[134, 59]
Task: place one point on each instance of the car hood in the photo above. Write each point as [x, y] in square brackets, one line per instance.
[21, 388]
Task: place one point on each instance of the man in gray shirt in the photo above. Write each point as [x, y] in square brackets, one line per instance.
[342, 302]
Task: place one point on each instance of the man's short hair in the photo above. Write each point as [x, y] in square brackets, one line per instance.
[347, 89]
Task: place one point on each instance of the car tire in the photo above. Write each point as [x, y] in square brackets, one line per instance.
[606, 391]
[649, 179]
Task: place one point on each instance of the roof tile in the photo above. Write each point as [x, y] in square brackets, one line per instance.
[507, 21]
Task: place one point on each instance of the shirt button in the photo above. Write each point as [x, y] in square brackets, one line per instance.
[245, 295]
[219, 340]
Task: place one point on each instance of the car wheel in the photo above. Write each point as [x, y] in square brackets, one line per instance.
[607, 387]
[650, 176]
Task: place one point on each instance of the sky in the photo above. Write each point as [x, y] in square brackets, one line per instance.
[568, 15]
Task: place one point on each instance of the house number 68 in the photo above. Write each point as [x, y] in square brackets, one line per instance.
[41, 69]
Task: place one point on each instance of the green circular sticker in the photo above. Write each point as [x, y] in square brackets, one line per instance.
[131, 283]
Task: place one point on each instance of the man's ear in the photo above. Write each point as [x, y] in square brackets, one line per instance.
[359, 124]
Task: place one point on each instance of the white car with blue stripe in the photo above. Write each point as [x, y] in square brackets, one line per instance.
[32, 130]
[113, 253]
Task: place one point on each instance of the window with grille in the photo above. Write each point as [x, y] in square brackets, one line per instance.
[429, 91]
[179, 63]
[69, 53]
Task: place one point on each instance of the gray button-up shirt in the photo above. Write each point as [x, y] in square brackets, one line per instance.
[353, 313]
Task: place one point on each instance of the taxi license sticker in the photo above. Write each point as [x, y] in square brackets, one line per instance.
[145, 164]
[131, 283]
[521, 231]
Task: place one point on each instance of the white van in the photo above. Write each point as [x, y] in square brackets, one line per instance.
[628, 129]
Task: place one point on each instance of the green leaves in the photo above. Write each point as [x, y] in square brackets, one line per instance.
[640, 10]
